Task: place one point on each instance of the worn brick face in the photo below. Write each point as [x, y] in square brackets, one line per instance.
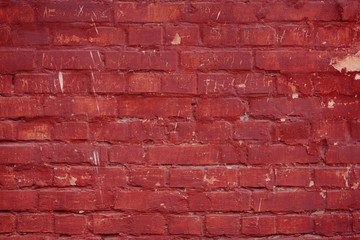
[168, 120]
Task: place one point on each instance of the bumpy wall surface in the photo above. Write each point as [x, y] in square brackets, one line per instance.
[179, 119]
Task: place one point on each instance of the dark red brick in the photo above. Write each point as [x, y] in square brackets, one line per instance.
[294, 224]
[217, 225]
[70, 224]
[187, 225]
[7, 223]
[33, 223]
[285, 201]
[216, 60]
[258, 226]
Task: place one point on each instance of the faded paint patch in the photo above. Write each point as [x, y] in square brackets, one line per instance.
[176, 40]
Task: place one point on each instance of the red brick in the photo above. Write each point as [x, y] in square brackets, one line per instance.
[295, 35]
[355, 129]
[34, 223]
[260, 35]
[343, 154]
[145, 35]
[34, 83]
[186, 178]
[87, 107]
[221, 177]
[297, 201]
[111, 131]
[147, 177]
[24, 176]
[5, 85]
[72, 83]
[146, 201]
[187, 225]
[32, 175]
[73, 176]
[151, 107]
[330, 224]
[111, 177]
[220, 201]
[220, 36]
[343, 200]
[147, 224]
[332, 177]
[74, 153]
[331, 131]
[110, 223]
[18, 13]
[33, 131]
[258, 226]
[179, 84]
[293, 177]
[18, 200]
[296, 84]
[313, 11]
[349, 10]
[7, 131]
[144, 60]
[223, 12]
[282, 107]
[187, 35]
[148, 12]
[67, 200]
[21, 154]
[292, 132]
[255, 177]
[20, 107]
[182, 155]
[144, 83]
[30, 36]
[340, 108]
[142, 131]
[108, 83]
[216, 60]
[69, 59]
[294, 224]
[241, 84]
[4, 35]
[337, 36]
[136, 131]
[356, 222]
[7, 223]
[279, 154]
[100, 36]
[252, 130]
[70, 224]
[293, 61]
[182, 132]
[70, 131]
[217, 225]
[74, 12]
[126, 154]
[228, 108]
[213, 132]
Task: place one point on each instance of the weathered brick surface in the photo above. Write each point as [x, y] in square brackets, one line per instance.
[165, 119]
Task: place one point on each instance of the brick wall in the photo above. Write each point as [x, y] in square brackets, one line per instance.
[179, 119]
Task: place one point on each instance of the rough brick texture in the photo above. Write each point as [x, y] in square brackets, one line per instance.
[179, 119]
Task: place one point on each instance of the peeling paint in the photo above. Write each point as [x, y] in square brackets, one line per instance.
[348, 63]
[61, 82]
[331, 104]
